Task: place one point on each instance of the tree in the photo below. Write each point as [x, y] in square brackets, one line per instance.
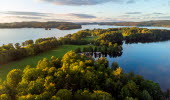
[130, 98]
[117, 72]
[69, 58]
[129, 90]
[145, 95]
[14, 77]
[64, 94]
[31, 74]
[78, 50]
[43, 64]
[103, 62]
[27, 97]
[114, 66]
[82, 95]
[55, 98]
[35, 87]
[101, 95]
[167, 94]
[17, 46]
[153, 89]
[5, 97]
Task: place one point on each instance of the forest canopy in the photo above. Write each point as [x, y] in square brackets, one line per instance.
[77, 77]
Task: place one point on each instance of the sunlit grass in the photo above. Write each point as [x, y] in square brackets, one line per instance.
[21, 64]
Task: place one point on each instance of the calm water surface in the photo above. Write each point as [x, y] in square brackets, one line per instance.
[19, 35]
[151, 60]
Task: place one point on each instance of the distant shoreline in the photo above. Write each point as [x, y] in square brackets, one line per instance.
[45, 25]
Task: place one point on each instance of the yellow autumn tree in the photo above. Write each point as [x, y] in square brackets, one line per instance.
[117, 72]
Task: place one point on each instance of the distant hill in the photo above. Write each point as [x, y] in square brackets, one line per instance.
[161, 23]
[58, 25]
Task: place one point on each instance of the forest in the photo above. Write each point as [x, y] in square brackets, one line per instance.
[159, 23]
[18, 51]
[77, 75]
[58, 25]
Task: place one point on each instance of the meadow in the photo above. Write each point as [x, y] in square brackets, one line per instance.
[32, 60]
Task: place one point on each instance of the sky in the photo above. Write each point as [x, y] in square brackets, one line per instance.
[84, 10]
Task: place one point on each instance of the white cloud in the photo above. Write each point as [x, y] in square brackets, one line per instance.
[80, 2]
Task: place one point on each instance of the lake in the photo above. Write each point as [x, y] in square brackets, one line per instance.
[151, 60]
[19, 35]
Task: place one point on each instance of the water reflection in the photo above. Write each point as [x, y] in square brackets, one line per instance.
[97, 55]
[151, 60]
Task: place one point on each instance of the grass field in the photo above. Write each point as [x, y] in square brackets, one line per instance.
[20, 64]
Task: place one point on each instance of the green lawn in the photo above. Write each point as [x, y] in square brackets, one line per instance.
[20, 64]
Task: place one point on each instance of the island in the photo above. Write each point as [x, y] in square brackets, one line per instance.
[46, 25]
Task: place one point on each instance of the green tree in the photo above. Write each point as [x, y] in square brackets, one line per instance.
[78, 50]
[145, 95]
[114, 66]
[130, 90]
[17, 46]
[14, 77]
[153, 89]
[101, 95]
[64, 94]
[130, 98]
[5, 97]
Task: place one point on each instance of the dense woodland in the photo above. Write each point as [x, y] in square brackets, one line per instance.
[77, 77]
[18, 51]
[161, 23]
[58, 25]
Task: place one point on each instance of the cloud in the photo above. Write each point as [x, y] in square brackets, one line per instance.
[124, 16]
[130, 1]
[165, 17]
[5, 19]
[157, 13]
[39, 16]
[133, 13]
[80, 2]
[22, 17]
[28, 17]
[82, 15]
[88, 2]
[24, 13]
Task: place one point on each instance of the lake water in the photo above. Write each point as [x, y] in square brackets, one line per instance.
[19, 35]
[151, 60]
